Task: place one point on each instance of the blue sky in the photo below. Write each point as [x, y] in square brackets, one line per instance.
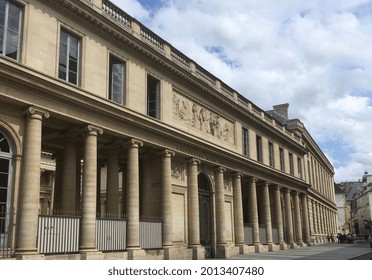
[315, 55]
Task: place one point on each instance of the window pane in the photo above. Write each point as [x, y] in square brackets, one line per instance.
[2, 19]
[13, 24]
[11, 51]
[69, 57]
[62, 72]
[3, 194]
[4, 145]
[14, 11]
[117, 81]
[64, 36]
[2, 6]
[3, 181]
[73, 67]
[72, 78]
[4, 165]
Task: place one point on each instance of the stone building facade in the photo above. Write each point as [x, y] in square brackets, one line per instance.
[137, 144]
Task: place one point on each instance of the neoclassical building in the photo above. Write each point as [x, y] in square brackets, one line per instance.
[115, 145]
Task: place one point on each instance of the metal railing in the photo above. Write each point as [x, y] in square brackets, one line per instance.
[6, 248]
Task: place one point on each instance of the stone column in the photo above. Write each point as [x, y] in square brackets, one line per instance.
[279, 218]
[133, 209]
[238, 210]
[298, 223]
[193, 203]
[166, 179]
[112, 187]
[288, 217]
[89, 192]
[30, 184]
[253, 213]
[68, 191]
[305, 218]
[267, 215]
[124, 192]
[220, 210]
[58, 183]
[193, 210]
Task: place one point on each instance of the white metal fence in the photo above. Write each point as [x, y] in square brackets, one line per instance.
[151, 236]
[58, 234]
[111, 234]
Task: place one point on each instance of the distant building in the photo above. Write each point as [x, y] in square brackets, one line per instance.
[359, 197]
[115, 145]
[343, 210]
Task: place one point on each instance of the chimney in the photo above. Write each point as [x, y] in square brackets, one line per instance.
[282, 110]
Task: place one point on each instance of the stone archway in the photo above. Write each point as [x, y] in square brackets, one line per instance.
[205, 215]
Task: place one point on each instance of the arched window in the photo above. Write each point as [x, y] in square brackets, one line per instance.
[5, 180]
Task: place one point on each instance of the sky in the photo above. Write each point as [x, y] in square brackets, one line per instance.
[315, 55]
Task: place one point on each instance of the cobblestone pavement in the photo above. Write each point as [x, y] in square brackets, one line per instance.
[328, 251]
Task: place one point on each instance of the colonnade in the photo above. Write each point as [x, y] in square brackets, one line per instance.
[293, 228]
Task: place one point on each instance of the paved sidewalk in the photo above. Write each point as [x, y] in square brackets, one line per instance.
[328, 251]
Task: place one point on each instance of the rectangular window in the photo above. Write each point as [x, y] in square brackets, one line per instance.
[259, 148]
[281, 158]
[10, 29]
[117, 80]
[153, 97]
[245, 141]
[271, 154]
[291, 168]
[69, 57]
[299, 167]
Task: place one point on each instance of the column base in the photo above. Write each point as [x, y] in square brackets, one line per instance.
[29, 256]
[292, 245]
[243, 248]
[273, 247]
[178, 253]
[258, 247]
[198, 252]
[136, 254]
[283, 246]
[301, 244]
[222, 251]
[91, 255]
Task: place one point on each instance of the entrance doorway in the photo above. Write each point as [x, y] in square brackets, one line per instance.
[205, 215]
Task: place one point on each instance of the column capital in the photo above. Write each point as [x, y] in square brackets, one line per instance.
[167, 153]
[93, 130]
[134, 143]
[193, 161]
[220, 169]
[35, 112]
[266, 184]
[253, 179]
[287, 190]
[303, 195]
[237, 175]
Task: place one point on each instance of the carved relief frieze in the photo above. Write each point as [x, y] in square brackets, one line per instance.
[201, 118]
[177, 171]
[228, 183]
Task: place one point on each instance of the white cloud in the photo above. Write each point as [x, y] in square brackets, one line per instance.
[315, 55]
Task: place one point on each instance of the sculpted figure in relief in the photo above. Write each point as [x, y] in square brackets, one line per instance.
[200, 118]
